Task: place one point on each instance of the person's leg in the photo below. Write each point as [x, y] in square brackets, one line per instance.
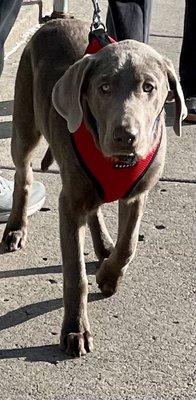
[188, 59]
[9, 10]
[60, 10]
[60, 6]
[188, 52]
[129, 19]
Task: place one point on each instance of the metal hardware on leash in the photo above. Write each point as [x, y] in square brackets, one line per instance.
[96, 16]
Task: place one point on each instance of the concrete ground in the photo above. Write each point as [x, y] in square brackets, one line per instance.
[144, 335]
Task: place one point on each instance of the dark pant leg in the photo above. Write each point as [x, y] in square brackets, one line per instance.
[188, 52]
[8, 12]
[129, 19]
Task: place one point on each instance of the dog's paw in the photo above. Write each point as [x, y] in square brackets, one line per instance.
[107, 279]
[76, 344]
[15, 240]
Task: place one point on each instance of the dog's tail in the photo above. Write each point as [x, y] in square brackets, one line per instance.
[47, 160]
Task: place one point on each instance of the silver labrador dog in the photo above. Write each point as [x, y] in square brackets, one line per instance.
[120, 93]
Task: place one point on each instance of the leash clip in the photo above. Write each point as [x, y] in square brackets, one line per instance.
[97, 23]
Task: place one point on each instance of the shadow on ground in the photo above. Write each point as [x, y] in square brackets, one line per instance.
[5, 130]
[29, 311]
[6, 109]
[51, 354]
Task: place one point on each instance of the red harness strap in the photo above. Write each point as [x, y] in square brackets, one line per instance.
[112, 183]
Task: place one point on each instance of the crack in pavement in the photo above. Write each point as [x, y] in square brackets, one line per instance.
[177, 180]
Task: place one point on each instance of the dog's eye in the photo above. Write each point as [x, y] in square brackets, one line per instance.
[105, 88]
[148, 87]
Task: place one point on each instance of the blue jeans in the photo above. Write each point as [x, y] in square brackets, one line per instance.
[9, 10]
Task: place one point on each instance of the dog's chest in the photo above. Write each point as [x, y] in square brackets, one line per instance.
[112, 181]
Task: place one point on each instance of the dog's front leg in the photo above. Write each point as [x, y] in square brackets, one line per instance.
[75, 335]
[102, 241]
[113, 268]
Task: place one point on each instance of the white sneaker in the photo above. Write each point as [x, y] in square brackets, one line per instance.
[35, 202]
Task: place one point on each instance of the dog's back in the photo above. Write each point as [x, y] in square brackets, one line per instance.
[52, 49]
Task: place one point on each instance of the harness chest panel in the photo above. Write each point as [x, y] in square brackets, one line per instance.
[111, 183]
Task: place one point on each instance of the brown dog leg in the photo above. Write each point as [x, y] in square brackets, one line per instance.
[47, 160]
[75, 334]
[25, 137]
[102, 241]
[112, 269]
[15, 233]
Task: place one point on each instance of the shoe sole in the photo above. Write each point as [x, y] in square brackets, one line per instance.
[30, 211]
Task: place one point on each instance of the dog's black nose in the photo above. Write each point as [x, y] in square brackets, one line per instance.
[122, 135]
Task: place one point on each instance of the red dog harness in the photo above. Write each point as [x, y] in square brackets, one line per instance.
[112, 183]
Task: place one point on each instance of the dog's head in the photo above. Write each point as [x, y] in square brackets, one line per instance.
[120, 92]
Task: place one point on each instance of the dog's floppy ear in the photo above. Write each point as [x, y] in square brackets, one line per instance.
[177, 94]
[67, 92]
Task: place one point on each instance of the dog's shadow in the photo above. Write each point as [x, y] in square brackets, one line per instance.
[51, 353]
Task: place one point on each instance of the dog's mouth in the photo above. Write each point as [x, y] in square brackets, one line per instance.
[124, 161]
